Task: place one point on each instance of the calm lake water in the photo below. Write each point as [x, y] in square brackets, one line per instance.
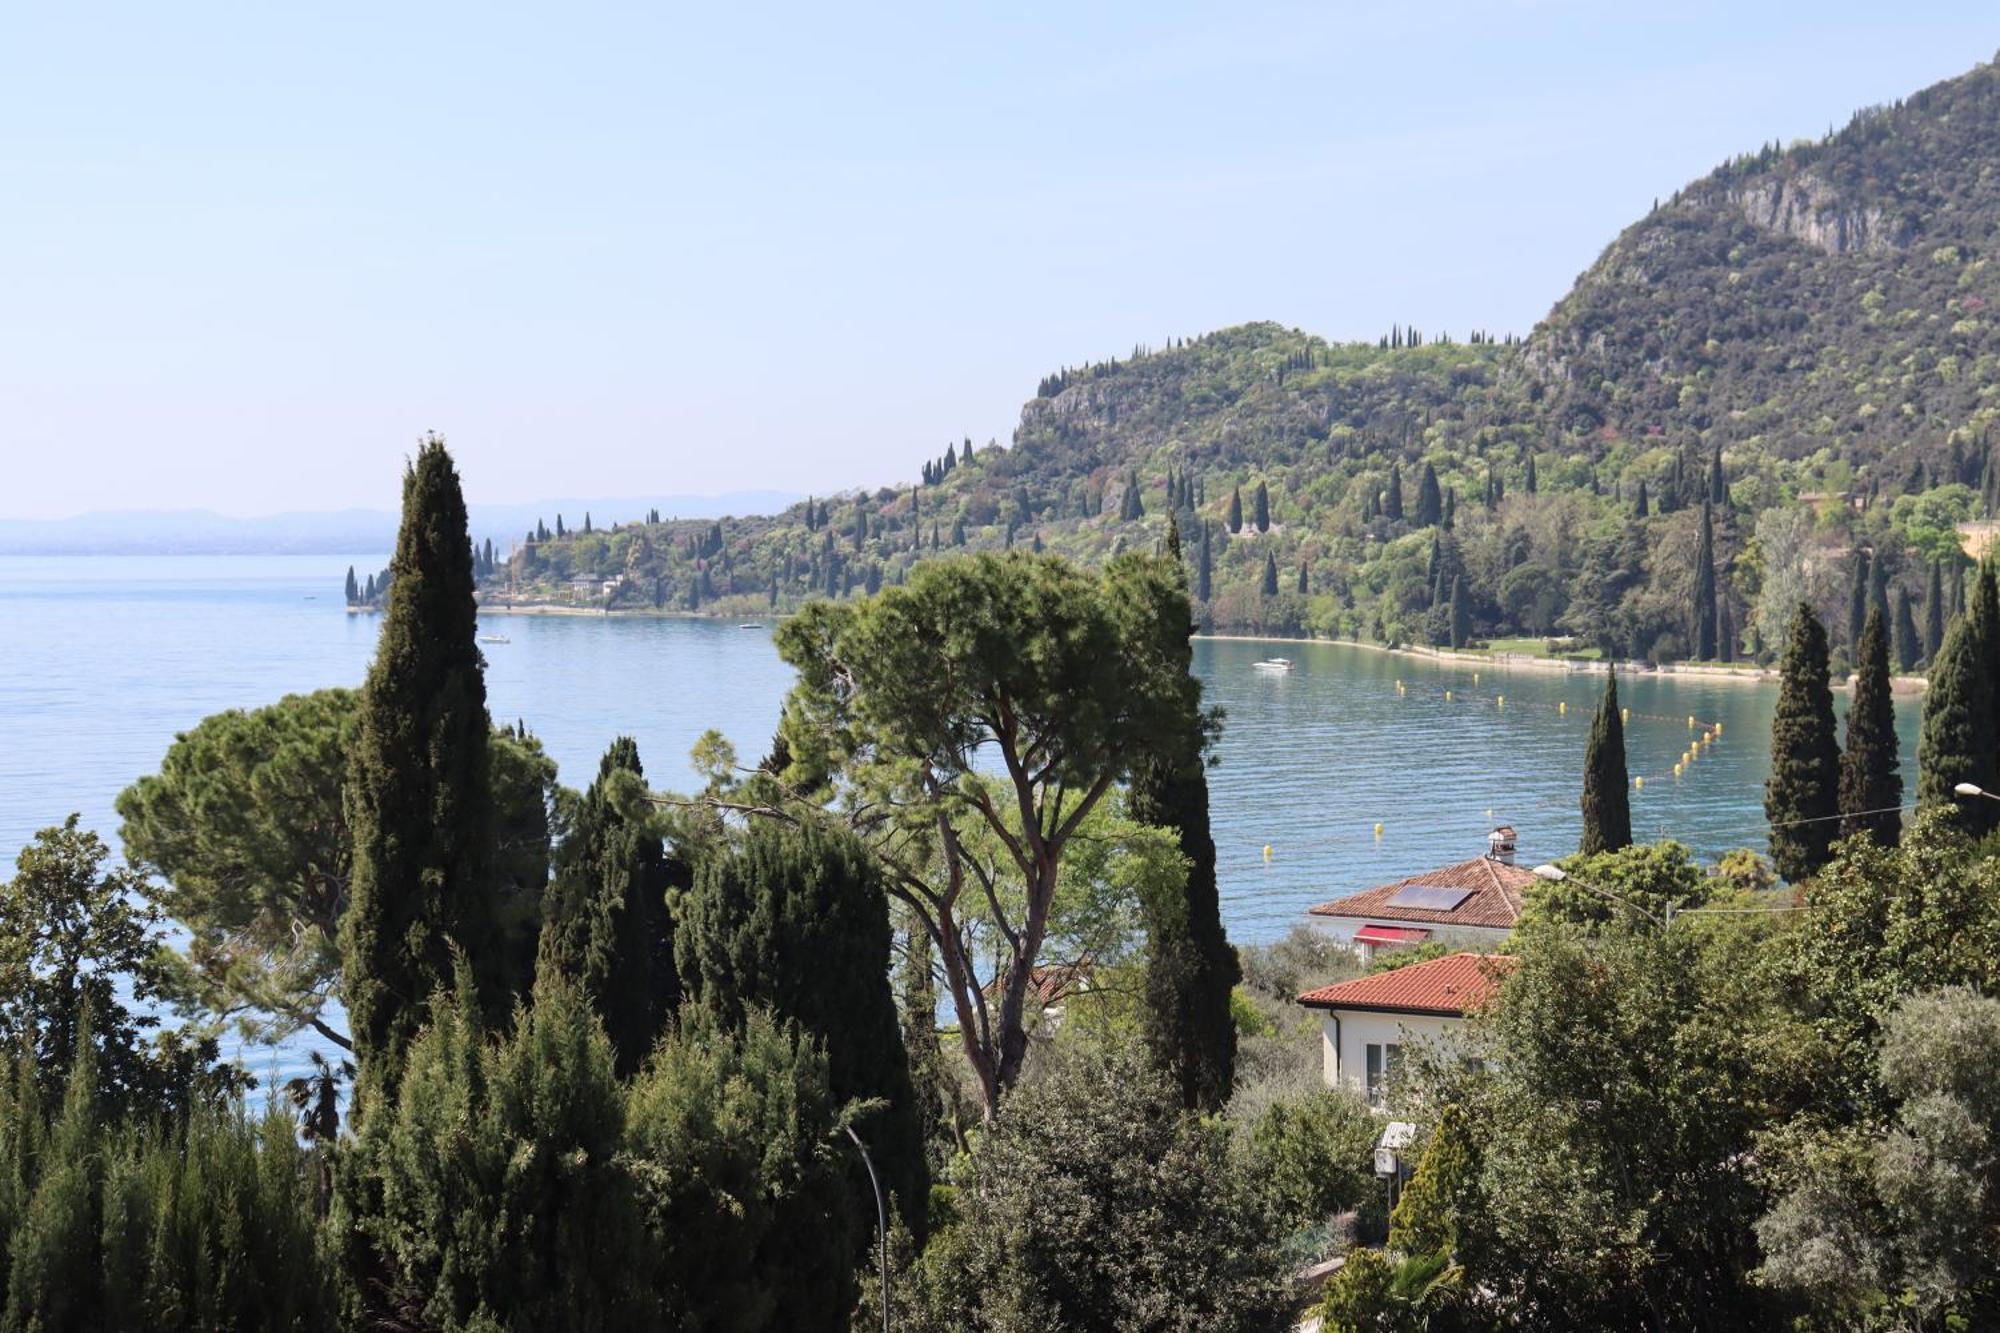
[107, 658]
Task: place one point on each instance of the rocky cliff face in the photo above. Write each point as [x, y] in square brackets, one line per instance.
[1806, 208]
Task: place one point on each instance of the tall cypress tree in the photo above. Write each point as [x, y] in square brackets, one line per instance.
[419, 794]
[1933, 614]
[1878, 588]
[1430, 501]
[1235, 518]
[1204, 587]
[1260, 507]
[353, 587]
[1639, 505]
[1191, 968]
[605, 924]
[1305, 583]
[1870, 785]
[1725, 631]
[1802, 795]
[1607, 804]
[1909, 650]
[1857, 601]
[796, 920]
[1718, 489]
[1704, 588]
[1956, 740]
[1461, 616]
[1270, 584]
[1392, 500]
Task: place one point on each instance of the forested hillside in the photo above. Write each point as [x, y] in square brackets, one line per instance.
[1784, 375]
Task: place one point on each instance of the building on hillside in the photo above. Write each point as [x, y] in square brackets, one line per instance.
[1368, 1019]
[1474, 903]
[1050, 988]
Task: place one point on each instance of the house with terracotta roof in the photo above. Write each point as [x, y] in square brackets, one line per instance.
[1367, 1020]
[1472, 903]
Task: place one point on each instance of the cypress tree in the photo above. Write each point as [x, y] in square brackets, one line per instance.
[1857, 601]
[1392, 500]
[353, 588]
[1933, 615]
[1204, 587]
[1878, 589]
[796, 920]
[1461, 618]
[1430, 501]
[1528, 482]
[1450, 508]
[958, 532]
[1191, 968]
[1236, 509]
[1607, 805]
[1802, 795]
[605, 925]
[1955, 742]
[1261, 508]
[1869, 780]
[1725, 631]
[419, 794]
[1305, 586]
[1270, 584]
[1639, 508]
[1718, 489]
[559, 526]
[1909, 650]
[1704, 589]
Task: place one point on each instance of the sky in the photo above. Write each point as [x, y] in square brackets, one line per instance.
[250, 252]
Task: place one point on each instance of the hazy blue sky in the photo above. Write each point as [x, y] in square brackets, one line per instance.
[248, 252]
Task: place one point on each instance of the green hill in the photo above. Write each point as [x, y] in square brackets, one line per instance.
[1805, 337]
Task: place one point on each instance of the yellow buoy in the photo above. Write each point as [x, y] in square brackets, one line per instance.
[1475, 678]
[1718, 728]
[1267, 851]
[1447, 696]
[1624, 715]
[1690, 721]
[1639, 784]
[1677, 770]
[1378, 830]
[1562, 705]
[1500, 700]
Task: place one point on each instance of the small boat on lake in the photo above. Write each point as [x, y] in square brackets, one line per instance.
[494, 638]
[749, 624]
[1274, 665]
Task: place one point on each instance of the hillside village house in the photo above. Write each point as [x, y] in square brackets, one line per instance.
[1473, 904]
[1368, 1019]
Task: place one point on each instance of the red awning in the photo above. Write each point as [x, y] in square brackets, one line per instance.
[1390, 935]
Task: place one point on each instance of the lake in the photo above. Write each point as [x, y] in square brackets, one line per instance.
[108, 657]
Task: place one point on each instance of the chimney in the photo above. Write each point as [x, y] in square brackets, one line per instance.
[1500, 844]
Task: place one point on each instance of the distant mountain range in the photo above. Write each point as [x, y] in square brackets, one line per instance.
[339, 532]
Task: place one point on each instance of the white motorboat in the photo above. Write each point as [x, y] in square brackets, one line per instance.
[1276, 665]
[494, 638]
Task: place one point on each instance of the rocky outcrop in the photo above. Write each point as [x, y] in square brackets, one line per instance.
[1806, 208]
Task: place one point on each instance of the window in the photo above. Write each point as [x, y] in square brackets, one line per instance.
[1385, 1060]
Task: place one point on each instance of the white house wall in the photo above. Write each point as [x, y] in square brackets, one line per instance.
[1345, 1035]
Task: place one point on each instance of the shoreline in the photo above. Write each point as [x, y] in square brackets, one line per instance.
[1748, 675]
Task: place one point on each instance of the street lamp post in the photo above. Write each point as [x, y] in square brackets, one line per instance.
[1974, 789]
[881, 1219]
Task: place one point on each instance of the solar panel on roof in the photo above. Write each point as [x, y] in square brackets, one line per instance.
[1430, 897]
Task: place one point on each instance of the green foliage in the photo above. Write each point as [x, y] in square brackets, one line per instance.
[80, 968]
[1313, 1155]
[1802, 794]
[606, 926]
[1871, 788]
[201, 1221]
[796, 922]
[419, 798]
[1630, 887]
[1068, 679]
[1377, 1293]
[1438, 1204]
[246, 822]
[1607, 805]
[732, 1136]
[1956, 742]
[1096, 1202]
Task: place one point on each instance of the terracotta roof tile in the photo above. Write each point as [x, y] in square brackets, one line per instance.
[1453, 985]
[1495, 887]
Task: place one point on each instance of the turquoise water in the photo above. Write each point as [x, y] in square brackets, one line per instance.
[106, 658]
